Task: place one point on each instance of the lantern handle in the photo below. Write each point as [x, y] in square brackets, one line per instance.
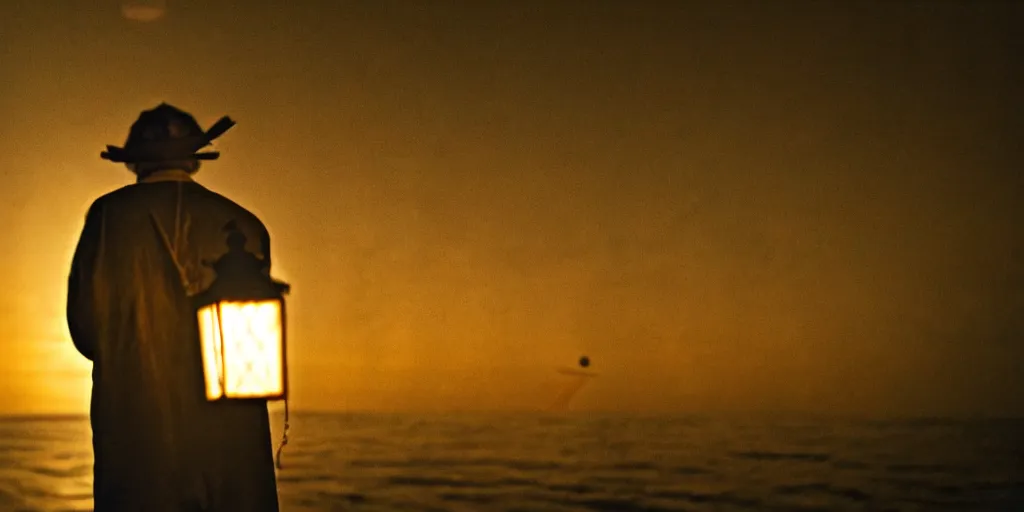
[284, 436]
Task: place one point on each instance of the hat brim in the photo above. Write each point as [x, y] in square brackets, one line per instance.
[172, 150]
[121, 156]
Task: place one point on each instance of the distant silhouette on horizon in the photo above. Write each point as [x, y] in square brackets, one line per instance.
[578, 379]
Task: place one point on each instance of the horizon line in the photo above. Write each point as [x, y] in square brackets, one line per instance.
[694, 414]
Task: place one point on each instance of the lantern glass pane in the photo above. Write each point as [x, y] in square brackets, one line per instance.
[210, 343]
[252, 349]
[243, 353]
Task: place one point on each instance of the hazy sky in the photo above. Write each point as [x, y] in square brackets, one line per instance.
[758, 205]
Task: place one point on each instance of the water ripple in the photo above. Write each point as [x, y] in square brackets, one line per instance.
[722, 498]
[783, 456]
[824, 488]
[435, 482]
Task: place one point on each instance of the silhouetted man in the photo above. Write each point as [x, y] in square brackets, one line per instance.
[158, 444]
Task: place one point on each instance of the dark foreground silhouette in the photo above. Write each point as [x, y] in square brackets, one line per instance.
[158, 444]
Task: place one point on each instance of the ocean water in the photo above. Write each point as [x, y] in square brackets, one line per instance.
[583, 462]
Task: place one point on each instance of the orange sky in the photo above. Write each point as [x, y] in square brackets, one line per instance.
[796, 207]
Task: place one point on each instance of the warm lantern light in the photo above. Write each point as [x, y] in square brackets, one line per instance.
[242, 328]
[243, 349]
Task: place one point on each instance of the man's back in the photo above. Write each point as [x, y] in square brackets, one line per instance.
[158, 444]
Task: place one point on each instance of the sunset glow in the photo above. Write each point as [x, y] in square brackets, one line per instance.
[723, 214]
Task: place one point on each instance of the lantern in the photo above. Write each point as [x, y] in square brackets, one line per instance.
[242, 327]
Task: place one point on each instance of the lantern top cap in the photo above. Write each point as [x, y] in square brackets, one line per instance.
[240, 274]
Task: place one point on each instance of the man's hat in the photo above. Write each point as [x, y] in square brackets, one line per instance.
[166, 134]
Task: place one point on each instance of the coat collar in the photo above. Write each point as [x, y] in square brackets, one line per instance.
[167, 175]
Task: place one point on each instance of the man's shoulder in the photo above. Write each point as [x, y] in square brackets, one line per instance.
[230, 208]
[135, 196]
[206, 195]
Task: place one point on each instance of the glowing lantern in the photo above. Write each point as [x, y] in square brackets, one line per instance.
[242, 327]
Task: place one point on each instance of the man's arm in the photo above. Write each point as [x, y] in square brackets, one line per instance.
[81, 301]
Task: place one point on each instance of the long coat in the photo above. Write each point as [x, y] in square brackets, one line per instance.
[158, 444]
